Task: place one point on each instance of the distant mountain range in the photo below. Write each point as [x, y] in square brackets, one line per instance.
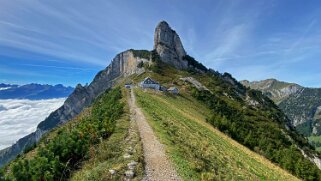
[301, 104]
[34, 91]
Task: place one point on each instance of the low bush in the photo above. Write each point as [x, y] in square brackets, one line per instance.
[193, 63]
[66, 151]
[259, 130]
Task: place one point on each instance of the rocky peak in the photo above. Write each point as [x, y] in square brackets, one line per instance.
[169, 46]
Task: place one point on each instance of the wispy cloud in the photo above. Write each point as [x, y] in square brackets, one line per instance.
[19, 40]
[19, 72]
[231, 41]
[57, 67]
[302, 37]
[65, 31]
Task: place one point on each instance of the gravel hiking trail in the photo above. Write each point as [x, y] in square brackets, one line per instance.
[157, 165]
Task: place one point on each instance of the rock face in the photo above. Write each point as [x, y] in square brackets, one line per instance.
[169, 46]
[123, 65]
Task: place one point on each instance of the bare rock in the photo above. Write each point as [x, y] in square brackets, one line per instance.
[169, 46]
[129, 174]
[112, 172]
[127, 156]
[194, 82]
[132, 165]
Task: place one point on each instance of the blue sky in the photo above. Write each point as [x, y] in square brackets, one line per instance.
[70, 41]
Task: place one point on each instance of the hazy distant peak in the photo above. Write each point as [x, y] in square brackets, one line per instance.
[273, 88]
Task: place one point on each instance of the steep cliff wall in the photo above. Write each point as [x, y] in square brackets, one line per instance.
[169, 46]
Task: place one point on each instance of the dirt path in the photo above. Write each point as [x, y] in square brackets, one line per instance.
[157, 165]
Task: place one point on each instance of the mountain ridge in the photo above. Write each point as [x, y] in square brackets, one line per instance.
[273, 88]
[243, 114]
[34, 91]
[301, 104]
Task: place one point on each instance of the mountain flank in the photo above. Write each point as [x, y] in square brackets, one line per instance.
[301, 104]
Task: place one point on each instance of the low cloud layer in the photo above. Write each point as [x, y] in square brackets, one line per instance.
[21, 117]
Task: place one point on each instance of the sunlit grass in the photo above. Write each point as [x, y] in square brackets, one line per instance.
[199, 151]
[109, 154]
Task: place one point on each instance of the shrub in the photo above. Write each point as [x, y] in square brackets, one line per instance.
[141, 53]
[193, 63]
[260, 130]
[140, 64]
[157, 65]
[66, 151]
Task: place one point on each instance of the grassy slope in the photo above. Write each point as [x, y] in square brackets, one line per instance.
[199, 151]
[109, 154]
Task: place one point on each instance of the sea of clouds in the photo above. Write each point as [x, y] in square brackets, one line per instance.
[18, 118]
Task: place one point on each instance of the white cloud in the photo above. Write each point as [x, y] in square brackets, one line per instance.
[4, 88]
[18, 118]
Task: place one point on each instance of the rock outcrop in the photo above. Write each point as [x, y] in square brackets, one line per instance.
[123, 65]
[169, 46]
[195, 83]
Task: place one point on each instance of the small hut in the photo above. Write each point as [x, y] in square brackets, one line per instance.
[149, 83]
[173, 90]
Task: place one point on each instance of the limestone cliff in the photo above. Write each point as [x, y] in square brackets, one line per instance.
[169, 46]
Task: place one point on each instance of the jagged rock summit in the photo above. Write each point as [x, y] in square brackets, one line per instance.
[169, 46]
